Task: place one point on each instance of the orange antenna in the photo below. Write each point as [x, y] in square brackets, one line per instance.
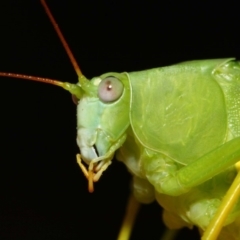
[74, 89]
[60, 35]
[33, 78]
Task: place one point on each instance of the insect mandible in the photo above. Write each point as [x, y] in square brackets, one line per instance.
[178, 139]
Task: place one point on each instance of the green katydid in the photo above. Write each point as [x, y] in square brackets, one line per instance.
[194, 123]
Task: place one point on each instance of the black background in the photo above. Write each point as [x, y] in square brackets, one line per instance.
[43, 192]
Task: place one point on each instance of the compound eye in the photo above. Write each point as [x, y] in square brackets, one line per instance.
[110, 89]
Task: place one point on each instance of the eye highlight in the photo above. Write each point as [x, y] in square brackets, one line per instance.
[110, 89]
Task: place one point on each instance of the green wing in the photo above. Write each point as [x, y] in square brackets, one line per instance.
[179, 110]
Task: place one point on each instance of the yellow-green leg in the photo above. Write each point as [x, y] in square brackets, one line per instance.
[226, 206]
[129, 219]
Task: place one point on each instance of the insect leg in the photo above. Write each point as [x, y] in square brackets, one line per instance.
[194, 174]
[224, 209]
[129, 219]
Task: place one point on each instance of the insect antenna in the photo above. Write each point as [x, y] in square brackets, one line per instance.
[68, 51]
[33, 78]
[64, 42]
[74, 89]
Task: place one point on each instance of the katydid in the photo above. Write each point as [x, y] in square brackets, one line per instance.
[176, 129]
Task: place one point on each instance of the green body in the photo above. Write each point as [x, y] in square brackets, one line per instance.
[177, 130]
